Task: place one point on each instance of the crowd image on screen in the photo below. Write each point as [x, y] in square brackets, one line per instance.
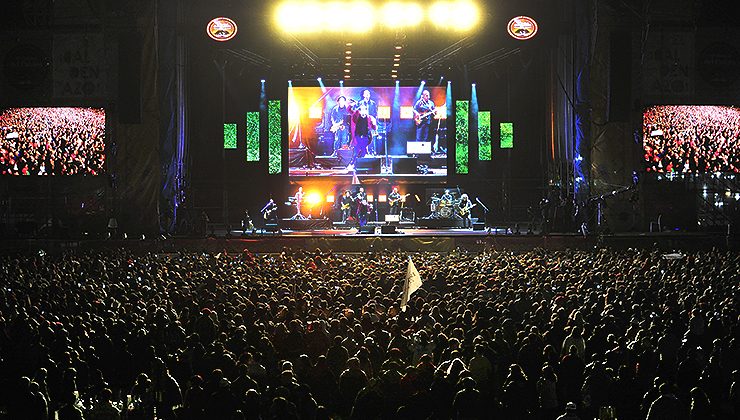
[52, 141]
[692, 139]
[542, 334]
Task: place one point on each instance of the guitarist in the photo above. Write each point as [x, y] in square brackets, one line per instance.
[394, 198]
[339, 117]
[346, 203]
[464, 210]
[424, 115]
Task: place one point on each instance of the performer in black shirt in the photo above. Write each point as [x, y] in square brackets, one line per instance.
[424, 115]
[346, 205]
[372, 109]
[394, 200]
[361, 124]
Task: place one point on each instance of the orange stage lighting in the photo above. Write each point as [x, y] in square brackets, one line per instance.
[313, 198]
[315, 112]
[330, 198]
[369, 198]
[382, 198]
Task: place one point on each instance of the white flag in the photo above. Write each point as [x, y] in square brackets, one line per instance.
[411, 284]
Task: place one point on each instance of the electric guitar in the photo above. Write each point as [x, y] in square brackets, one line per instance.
[466, 210]
[418, 118]
[345, 206]
[339, 125]
[401, 198]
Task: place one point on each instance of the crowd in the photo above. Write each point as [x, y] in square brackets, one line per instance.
[52, 141]
[692, 139]
[316, 335]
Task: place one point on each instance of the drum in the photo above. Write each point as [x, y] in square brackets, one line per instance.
[445, 212]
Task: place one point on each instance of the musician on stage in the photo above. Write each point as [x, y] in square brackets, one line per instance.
[446, 199]
[362, 206]
[297, 201]
[394, 199]
[339, 117]
[424, 115]
[346, 203]
[464, 210]
[361, 126]
[372, 109]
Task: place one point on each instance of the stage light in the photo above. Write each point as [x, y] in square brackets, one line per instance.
[348, 52]
[348, 57]
[396, 64]
[346, 70]
[423, 82]
[290, 82]
[318, 79]
[313, 198]
[454, 15]
[347, 64]
[262, 81]
[398, 47]
[397, 82]
[341, 83]
[349, 44]
[330, 198]
[346, 76]
[401, 15]
[369, 198]
[397, 59]
[382, 198]
[473, 85]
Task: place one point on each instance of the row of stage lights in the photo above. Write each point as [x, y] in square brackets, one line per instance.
[360, 17]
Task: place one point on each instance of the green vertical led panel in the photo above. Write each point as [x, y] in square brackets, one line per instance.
[229, 136]
[253, 136]
[274, 137]
[507, 135]
[484, 135]
[461, 136]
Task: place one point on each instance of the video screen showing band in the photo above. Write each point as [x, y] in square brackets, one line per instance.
[338, 131]
[52, 141]
[691, 138]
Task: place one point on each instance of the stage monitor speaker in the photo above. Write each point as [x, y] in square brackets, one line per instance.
[392, 218]
[479, 226]
[620, 75]
[404, 165]
[368, 165]
[129, 77]
[345, 156]
[366, 229]
[388, 229]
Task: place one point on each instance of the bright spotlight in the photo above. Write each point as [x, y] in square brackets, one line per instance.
[318, 79]
[299, 17]
[423, 82]
[262, 81]
[401, 15]
[458, 15]
[313, 198]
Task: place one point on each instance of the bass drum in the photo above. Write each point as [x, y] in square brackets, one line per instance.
[445, 212]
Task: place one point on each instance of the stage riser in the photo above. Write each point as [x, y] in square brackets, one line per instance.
[308, 224]
[440, 223]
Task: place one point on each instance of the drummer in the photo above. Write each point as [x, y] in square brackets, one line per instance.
[446, 199]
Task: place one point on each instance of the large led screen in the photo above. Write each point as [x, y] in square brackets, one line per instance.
[691, 138]
[367, 131]
[52, 141]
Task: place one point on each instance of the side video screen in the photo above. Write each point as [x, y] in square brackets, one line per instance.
[52, 141]
[691, 138]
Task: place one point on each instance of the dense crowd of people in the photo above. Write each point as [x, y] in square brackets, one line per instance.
[52, 141]
[308, 334]
[692, 139]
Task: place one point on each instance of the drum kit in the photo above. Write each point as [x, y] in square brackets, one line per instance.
[444, 208]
